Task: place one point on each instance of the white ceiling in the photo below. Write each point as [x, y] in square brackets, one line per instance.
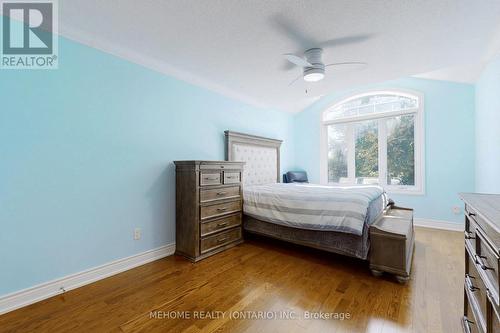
[465, 73]
[235, 47]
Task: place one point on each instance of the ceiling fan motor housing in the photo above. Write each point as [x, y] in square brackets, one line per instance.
[317, 71]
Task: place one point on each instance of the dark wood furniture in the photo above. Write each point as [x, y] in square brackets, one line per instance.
[482, 263]
[208, 207]
[392, 241]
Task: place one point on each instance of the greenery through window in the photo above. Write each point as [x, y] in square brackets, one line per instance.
[374, 139]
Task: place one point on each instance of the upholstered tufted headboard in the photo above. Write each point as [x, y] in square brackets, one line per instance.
[261, 156]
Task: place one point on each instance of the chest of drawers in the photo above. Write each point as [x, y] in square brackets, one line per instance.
[208, 207]
[482, 263]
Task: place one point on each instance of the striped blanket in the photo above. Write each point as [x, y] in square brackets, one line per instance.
[315, 207]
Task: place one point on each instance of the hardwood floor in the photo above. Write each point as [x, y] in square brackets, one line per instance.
[272, 277]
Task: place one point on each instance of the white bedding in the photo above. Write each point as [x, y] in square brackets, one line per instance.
[315, 207]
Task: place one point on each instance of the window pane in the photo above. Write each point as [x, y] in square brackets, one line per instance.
[401, 150]
[371, 104]
[366, 152]
[337, 154]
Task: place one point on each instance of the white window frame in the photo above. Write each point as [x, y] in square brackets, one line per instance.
[419, 132]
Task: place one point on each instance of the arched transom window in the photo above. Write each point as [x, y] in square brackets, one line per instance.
[375, 138]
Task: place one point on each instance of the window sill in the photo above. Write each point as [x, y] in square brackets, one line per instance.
[388, 190]
[405, 192]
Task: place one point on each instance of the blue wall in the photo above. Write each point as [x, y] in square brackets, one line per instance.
[86, 156]
[449, 143]
[488, 129]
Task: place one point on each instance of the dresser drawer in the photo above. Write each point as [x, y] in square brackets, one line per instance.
[207, 195]
[495, 324]
[469, 324]
[217, 166]
[208, 228]
[210, 178]
[494, 315]
[488, 262]
[475, 289]
[232, 177]
[470, 232]
[207, 212]
[220, 239]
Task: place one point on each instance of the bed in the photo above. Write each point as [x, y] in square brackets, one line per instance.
[333, 219]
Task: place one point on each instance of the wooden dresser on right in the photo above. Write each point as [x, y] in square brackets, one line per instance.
[482, 263]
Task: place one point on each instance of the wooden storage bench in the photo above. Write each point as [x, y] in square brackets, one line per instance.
[392, 240]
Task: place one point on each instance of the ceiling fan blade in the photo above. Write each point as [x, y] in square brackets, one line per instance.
[295, 80]
[289, 29]
[295, 59]
[345, 40]
[287, 65]
[347, 63]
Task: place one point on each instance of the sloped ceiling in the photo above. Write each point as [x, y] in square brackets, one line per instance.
[235, 47]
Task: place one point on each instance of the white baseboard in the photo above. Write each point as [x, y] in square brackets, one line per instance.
[438, 224]
[45, 290]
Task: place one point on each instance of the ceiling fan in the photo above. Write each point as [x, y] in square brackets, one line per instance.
[312, 65]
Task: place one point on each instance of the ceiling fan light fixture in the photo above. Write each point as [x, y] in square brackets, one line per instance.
[314, 74]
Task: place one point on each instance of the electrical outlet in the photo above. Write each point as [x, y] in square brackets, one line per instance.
[456, 210]
[137, 233]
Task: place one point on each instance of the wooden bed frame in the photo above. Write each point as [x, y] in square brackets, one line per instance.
[262, 157]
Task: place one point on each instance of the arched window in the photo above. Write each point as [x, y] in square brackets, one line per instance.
[375, 138]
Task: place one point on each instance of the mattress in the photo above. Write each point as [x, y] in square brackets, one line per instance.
[346, 209]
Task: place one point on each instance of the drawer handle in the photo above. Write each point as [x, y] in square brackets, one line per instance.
[489, 295]
[468, 283]
[467, 323]
[221, 193]
[211, 178]
[222, 209]
[222, 240]
[468, 236]
[480, 262]
[222, 224]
